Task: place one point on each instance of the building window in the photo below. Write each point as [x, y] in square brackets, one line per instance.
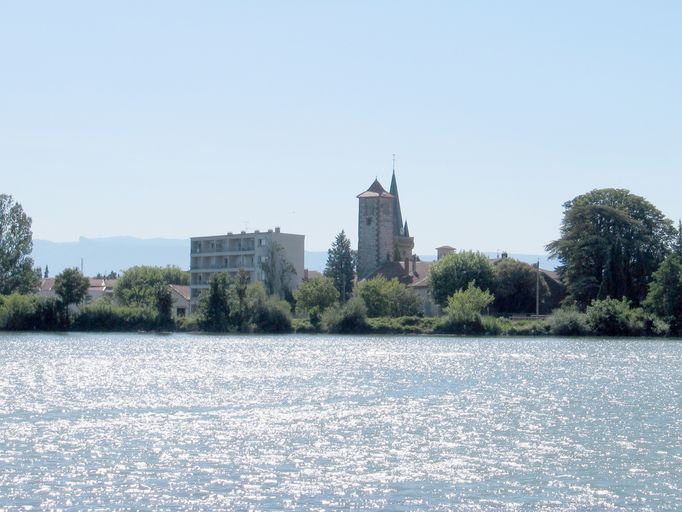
[180, 312]
[369, 221]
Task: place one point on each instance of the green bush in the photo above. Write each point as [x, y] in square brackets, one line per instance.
[104, 317]
[30, 312]
[467, 303]
[461, 324]
[187, 323]
[303, 326]
[273, 315]
[567, 322]
[385, 298]
[611, 317]
[402, 325]
[653, 325]
[491, 325]
[346, 319]
[522, 327]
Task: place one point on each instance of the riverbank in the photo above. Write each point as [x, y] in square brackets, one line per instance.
[607, 317]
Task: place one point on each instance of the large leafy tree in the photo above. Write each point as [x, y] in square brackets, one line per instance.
[385, 297]
[137, 286]
[455, 271]
[71, 286]
[677, 243]
[16, 266]
[516, 286]
[341, 266]
[611, 242]
[316, 295]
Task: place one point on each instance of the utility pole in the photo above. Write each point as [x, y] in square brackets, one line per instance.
[537, 291]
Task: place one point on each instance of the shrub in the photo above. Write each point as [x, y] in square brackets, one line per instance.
[303, 325]
[461, 324]
[273, 315]
[187, 323]
[491, 325]
[388, 298]
[567, 322]
[611, 317]
[104, 317]
[468, 303]
[349, 318]
[463, 312]
[402, 325]
[30, 312]
[522, 327]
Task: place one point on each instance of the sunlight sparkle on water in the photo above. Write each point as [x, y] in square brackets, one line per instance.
[331, 423]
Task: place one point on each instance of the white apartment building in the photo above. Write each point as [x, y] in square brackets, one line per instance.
[244, 251]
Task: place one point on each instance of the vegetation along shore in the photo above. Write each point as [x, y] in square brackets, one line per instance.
[620, 267]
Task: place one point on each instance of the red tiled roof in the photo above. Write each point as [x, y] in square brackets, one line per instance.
[181, 290]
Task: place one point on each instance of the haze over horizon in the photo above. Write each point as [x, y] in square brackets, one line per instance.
[171, 120]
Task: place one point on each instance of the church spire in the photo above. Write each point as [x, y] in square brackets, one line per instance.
[397, 214]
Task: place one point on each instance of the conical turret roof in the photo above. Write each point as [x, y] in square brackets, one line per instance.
[397, 214]
[375, 190]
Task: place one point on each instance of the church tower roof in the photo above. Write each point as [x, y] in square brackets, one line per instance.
[375, 190]
[397, 214]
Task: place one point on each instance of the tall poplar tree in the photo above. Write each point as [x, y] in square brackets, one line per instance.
[341, 266]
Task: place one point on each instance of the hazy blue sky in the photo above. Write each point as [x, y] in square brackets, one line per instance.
[174, 119]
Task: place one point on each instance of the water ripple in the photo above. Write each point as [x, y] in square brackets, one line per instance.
[335, 423]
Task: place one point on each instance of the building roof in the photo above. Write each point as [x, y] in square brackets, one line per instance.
[95, 285]
[416, 276]
[310, 274]
[182, 290]
[398, 229]
[375, 190]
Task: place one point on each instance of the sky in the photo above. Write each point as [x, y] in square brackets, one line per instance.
[178, 119]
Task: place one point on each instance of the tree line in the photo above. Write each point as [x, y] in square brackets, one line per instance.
[620, 262]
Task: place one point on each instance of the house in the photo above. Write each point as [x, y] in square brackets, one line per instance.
[96, 289]
[181, 299]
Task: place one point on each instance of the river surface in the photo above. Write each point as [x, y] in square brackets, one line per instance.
[192, 422]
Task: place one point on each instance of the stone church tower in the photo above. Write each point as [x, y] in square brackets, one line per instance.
[382, 236]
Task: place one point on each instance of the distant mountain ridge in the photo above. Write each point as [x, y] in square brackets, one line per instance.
[102, 255]
[112, 253]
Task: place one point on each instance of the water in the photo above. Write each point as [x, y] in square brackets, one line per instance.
[338, 423]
